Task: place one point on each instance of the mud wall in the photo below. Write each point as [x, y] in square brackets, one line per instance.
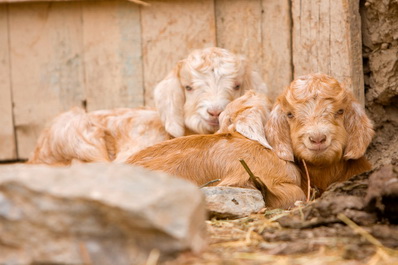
[380, 58]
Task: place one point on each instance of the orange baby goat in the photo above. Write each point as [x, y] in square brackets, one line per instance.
[318, 121]
[202, 158]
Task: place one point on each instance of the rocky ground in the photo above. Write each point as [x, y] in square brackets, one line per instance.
[355, 222]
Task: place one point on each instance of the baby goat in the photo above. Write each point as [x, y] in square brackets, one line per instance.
[202, 158]
[318, 121]
[189, 101]
[97, 136]
[196, 91]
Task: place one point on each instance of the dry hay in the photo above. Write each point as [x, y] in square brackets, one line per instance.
[247, 241]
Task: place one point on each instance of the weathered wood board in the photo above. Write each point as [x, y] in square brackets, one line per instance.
[260, 30]
[171, 30]
[327, 38]
[139, 2]
[277, 65]
[112, 55]
[7, 137]
[239, 29]
[47, 75]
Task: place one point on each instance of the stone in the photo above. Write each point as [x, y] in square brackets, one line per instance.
[232, 202]
[96, 214]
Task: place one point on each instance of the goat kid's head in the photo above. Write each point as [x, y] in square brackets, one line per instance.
[198, 89]
[318, 120]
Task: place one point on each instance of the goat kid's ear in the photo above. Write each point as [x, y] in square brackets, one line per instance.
[225, 122]
[169, 100]
[359, 129]
[251, 125]
[277, 131]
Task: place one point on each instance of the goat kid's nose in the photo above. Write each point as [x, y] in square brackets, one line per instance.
[214, 112]
[317, 138]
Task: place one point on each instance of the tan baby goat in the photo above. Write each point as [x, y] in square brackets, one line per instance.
[202, 158]
[318, 121]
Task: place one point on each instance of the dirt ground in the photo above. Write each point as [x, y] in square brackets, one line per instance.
[355, 222]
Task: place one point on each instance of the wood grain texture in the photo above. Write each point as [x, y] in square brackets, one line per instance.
[326, 38]
[8, 150]
[354, 35]
[45, 40]
[112, 55]
[261, 31]
[139, 2]
[276, 45]
[171, 30]
[239, 28]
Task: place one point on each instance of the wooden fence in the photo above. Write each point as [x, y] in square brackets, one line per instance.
[106, 54]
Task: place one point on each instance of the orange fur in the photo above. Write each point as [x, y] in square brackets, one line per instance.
[318, 120]
[247, 116]
[71, 136]
[130, 130]
[202, 158]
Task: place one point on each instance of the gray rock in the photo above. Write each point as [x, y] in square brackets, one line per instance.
[96, 214]
[231, 202]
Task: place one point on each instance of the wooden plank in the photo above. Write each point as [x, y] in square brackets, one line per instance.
[304, 46]
[171, 30]
[139, 2]
[260, 30]
[239, 29]
[46, 66]
[112, 55]
[327, 38]
[8, 150]
[276, 64]
[350, 22]
[324, 54]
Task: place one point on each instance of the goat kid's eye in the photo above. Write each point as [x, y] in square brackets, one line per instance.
[289, 115]
[340, 112]
[188, 88]
[237, 87]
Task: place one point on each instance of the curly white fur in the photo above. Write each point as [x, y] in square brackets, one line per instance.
[193, 95]
[98, 136]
